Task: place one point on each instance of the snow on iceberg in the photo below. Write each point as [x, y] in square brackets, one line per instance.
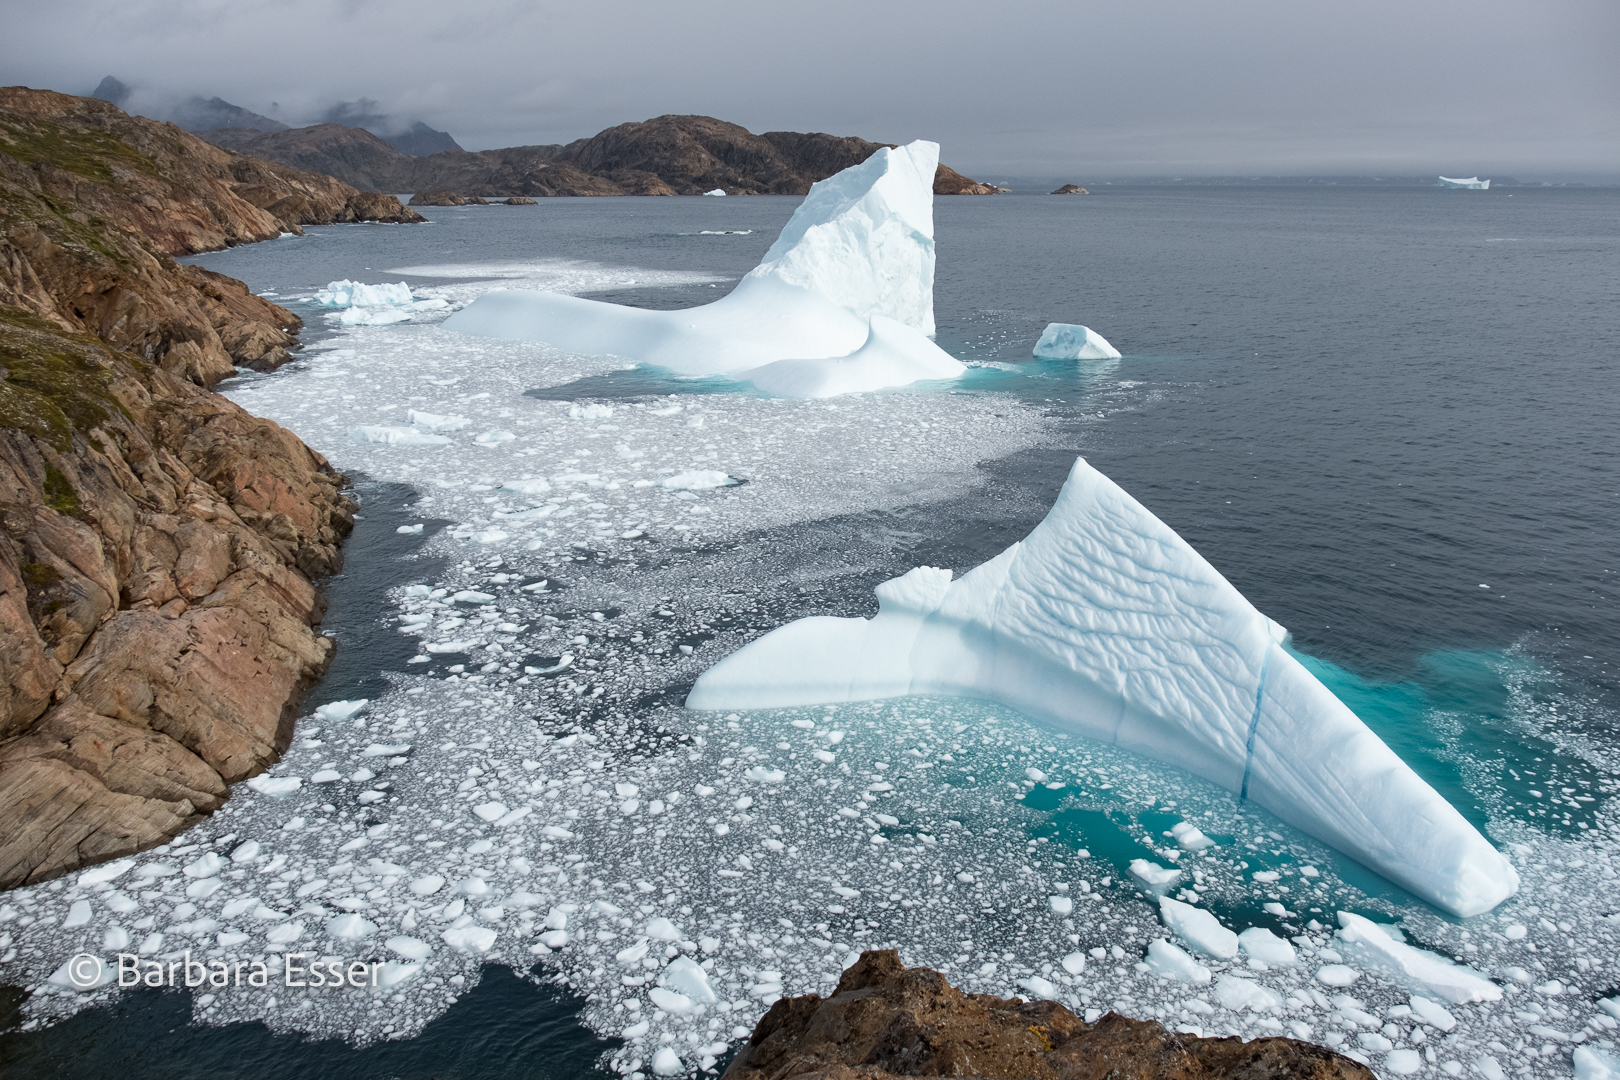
[1067, 341]
[843, 301]
[1103, 621]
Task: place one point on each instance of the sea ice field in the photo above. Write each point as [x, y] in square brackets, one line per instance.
[576, 540]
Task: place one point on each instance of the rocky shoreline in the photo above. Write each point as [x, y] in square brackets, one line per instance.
[885, 1020]
[158, 544]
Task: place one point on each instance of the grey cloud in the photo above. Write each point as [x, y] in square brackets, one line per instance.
[1525, 87]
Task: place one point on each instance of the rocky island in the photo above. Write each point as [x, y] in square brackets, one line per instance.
[158, 544]
[1071, 189]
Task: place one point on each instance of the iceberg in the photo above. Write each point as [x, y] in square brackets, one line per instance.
[1473, 183]
[842, 303]
[1105, 622]
[1067, 341]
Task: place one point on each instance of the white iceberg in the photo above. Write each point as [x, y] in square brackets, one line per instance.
[1472, 183]
[1414, 968]
[1104, 622]
[1067, 341]
[843, 301]
[346, 294]
[716, 191]
[1198, 928]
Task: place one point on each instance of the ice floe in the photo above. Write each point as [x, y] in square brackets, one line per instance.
[1067, 341]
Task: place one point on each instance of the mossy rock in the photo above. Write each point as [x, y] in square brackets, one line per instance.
[91, 154]
[54, 382]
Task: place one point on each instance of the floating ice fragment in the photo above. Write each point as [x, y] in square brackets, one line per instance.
[1414, 968]
[528, 487]
[1591, 1064]
[396, 436]
[78, 915]
[669, 1000]
[667, 1062]
[1238, 993]
[1068, 341]
[410, 948]
[590, 412]
[277, 787]
[1169, 962]
[1198, 928]
[471, 596]
[334, 711]
[1154, 877]
[493, 438]
[427, 885]
[1190, 837]
[343, 294]
[1336, 975]
[78, 975]
[106, 872]
[761, 775]
[1262, 945]
[434, 422]
[1040, 988]
[470, 939]
[386, 750]
[1061, 905]
[1433, 1013]
[1074, 963]
[1105, 622]
[350, 927]
[489, 811]
[697, 480]
[687, 977]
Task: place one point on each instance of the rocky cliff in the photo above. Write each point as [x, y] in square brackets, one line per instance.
[886, 1020]
[157, 543]
[667, 155]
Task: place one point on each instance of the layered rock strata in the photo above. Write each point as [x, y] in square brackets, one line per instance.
[157, 543]
[886, 1020]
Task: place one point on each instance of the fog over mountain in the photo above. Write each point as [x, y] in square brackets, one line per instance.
[1172, 87]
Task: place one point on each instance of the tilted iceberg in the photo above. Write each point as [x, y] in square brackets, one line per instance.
[843, 301]
[1067, 341]
[1105, 622]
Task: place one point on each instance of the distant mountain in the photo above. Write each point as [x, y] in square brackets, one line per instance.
[417, 140]
[667, 155]
[195, 114]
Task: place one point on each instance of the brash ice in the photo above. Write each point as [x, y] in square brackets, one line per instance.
[842, 303]
[1105, 622]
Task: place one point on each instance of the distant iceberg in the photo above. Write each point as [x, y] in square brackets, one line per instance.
[1066, 341]
[1473, 183]
[843, 301]
[1103, 621]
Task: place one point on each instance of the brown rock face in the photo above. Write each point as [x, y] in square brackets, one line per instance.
[156, 617]
[519, 200]
[887, 1020]
[157, 621]
[667, 155]
[437, 198]
[1071, 189]
[94, 204]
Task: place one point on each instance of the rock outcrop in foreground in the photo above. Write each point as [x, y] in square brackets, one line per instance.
[667, 155]
[157, 543]
[887, 1020]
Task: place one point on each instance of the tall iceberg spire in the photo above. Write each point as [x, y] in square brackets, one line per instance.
[843, 301]
[1105, 622]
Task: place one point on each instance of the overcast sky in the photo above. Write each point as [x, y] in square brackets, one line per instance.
[1529, 88]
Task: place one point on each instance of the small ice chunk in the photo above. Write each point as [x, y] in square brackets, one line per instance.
[335, 711]
[106, 872]
[1261, 944]
[1169, 962]
[1198, 928]
[277, 787]
[345, 293]
[396, 436]
[697, 480]
[687, 977]
[490, 811]
[669, 1000]
[589, 412]
[1069, 341]
[1040, 988]
[1336, 975]
[78, 915]
[470, 939]
[1590, 1064]
[435, 422]
[1238, 993]
[1154, 877]
[1403, 1062]
[527, 487]
[1061, 905]
[493, 438]
[667, 1062]
[1190, 837]
[1415, 968]
[1074, 963]
[1433, 1013]
[205, 866]
[350, 927]
[246, 851]
[386, 750]
[410, 948]
[427, 885]
[661, 929]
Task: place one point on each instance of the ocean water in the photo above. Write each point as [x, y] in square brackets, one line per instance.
[1385, 415]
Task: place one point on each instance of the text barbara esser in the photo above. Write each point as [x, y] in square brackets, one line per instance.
[133, 971]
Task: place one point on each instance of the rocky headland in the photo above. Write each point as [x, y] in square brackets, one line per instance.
[886, 1020]
[158, 544]
[667, 155]
[1070, 189]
